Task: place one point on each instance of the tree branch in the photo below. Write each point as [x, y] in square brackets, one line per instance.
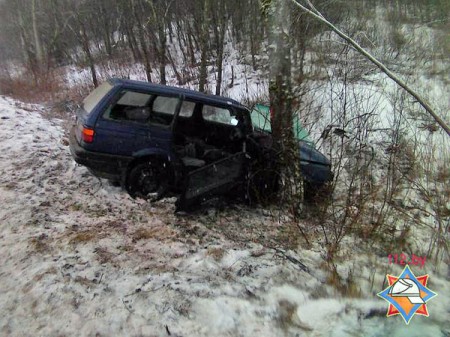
[316, 14]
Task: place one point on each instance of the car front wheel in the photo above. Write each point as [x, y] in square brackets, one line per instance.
[147, 180]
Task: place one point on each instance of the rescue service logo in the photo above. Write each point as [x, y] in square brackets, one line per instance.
[407, 295]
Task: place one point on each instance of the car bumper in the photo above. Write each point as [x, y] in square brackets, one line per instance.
[100, 164]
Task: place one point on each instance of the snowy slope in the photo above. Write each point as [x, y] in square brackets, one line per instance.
[81, 258]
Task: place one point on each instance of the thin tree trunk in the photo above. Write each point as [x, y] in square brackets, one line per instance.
[220, 39]
[191, 44]
[132, 43]
[106, 28]
[37, 39]
[175, 70]
[162, 52]
[148, 69]
[181, 40]
[204, 46]
[87, 50]
[28, 58]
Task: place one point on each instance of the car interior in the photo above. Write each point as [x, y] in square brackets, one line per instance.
[206, 135]
[203, 133]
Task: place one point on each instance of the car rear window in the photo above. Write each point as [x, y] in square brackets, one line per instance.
[135, 99]
[95, 97]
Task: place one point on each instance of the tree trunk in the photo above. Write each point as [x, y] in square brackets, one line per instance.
[174, 68]
[220, 39]
[280, 91]
[87, 50]
[27, 55]
[204, 46]
[280, 88]
[191, 44]
[162, 51]
[107, 38]
[37, 39]
[147, 66]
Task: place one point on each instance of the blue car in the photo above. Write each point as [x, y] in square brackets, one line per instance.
[153, 139]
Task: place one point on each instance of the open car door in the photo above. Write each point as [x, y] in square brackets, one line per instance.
[216, 178]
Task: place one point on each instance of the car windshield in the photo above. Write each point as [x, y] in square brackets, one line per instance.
[95, 96]
[261, 120]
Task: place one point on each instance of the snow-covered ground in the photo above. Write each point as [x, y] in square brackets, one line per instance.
[81, 258]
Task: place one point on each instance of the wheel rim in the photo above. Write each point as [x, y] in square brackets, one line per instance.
[148, 181]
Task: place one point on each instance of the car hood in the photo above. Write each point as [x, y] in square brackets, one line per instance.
[309, 154]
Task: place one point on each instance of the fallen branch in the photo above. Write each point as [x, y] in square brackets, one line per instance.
[292, 259]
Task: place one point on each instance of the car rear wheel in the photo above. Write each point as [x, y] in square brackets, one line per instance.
[147, 180]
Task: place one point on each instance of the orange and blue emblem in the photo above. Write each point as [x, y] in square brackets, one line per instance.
[407, 295]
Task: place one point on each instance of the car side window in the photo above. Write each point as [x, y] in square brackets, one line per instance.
[131, 106]
[146, 108]
[218, 114]
[163, 110]
[165, 105]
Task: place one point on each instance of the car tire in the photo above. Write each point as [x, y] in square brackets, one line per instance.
[147, 180]
[115, 183]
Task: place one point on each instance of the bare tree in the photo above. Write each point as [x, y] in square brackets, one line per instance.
[204, 31]
[80, 31]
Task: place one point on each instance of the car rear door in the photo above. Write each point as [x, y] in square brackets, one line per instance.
[136, 123]
[122, 123]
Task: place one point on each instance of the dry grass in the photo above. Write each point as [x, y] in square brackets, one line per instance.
[289, 236]
[37, 278]
[83, 237]
[158, 233]
[39, 244]
[346, 287]
[216, 253]
[143, 234]
[104, 256]
[85, 281]
[33, 88]
[50, 271]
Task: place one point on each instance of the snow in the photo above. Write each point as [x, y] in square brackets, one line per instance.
[80, 257]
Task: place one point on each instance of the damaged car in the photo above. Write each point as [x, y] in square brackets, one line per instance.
[152, 139]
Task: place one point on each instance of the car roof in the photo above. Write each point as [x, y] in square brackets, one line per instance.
[169, 90]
